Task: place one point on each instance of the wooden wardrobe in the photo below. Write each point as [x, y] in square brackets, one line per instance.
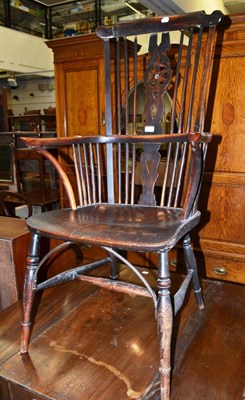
[221, 241]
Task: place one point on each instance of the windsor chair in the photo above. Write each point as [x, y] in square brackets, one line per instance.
[10, 200]
[116, 199]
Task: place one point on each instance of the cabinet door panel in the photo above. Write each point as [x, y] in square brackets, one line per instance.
[225, 215]
[82, 105]
[228, 118]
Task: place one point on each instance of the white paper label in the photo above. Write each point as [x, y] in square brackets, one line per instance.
[149, 128]
[164, 20]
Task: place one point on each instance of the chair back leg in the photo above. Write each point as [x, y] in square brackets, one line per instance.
[191, 265]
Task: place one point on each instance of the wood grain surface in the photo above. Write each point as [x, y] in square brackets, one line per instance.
[89, 344]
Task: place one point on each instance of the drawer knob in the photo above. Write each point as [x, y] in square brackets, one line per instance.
[174, 263]
[220, 270]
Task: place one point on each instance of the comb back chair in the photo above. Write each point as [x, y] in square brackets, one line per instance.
[10, 200]
[112, 204]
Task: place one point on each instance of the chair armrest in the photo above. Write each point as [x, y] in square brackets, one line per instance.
[167, 138]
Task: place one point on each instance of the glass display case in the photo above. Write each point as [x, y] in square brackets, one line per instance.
[2, 13]
[76, 17]
[28, 16]
[64, 19]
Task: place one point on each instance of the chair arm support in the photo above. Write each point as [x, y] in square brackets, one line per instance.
[62, 174]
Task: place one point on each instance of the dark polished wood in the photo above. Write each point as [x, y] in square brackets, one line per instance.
[221, 240]
[10, 200]
[14, 241]
[217, 355]
[54, 305]
[33, 122]
[130, 192]
[4, 123]
[64, 362]
[35, 179]
[153, 25]
[159, 224]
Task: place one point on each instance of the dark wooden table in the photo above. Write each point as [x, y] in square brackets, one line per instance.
[91, 344]
[34, 121]
[14, 242]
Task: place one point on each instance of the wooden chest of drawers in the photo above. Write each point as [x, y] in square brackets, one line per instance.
[14, 241]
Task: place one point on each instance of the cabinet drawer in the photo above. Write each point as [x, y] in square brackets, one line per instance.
[228, 269]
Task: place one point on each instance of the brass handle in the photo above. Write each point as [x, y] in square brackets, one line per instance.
[103, 118]
[220, 270]
[174, 263]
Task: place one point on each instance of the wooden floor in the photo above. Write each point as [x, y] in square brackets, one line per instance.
[91, 344]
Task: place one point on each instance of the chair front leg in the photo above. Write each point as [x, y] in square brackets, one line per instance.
[29, 290]
[165, 325]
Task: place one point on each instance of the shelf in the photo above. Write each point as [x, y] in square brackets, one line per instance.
[26, 10]
[53, 21]
[73, 18]
[81, 16]
[27, 16]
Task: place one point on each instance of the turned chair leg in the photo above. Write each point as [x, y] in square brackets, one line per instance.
[29, 291]
[190, 261]
[114, 267]
[165, 325]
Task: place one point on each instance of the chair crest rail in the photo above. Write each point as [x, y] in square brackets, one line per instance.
[160, 24]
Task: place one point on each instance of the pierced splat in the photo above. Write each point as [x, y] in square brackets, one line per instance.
[156, 80]
[149, 160]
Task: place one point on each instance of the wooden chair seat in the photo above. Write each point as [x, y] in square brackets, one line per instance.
[135, 227]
